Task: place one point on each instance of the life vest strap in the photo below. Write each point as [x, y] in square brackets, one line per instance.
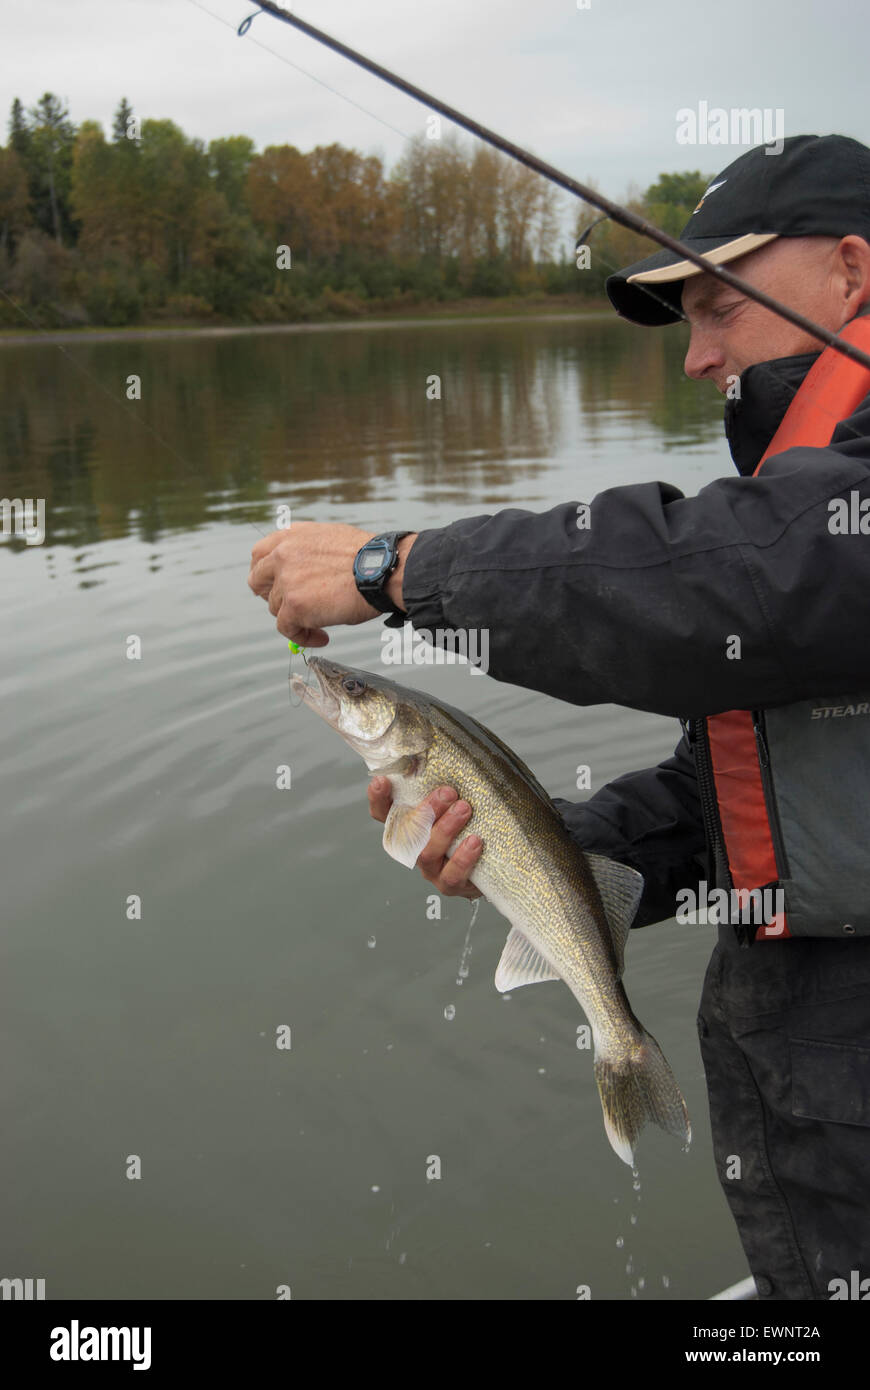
[830, 392]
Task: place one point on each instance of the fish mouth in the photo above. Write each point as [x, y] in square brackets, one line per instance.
[320, 698]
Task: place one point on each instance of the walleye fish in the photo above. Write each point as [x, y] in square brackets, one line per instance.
[569, 911]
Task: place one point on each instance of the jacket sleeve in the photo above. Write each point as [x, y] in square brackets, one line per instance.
[652, 821]
[740, 597]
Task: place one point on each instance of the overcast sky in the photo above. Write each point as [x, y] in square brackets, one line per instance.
[595, 91]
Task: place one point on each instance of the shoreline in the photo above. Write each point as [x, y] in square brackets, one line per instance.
[471, 312]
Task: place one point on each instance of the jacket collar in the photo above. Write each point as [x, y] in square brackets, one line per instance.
[766, 392]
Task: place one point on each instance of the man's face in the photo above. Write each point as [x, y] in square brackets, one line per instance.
[731, 332]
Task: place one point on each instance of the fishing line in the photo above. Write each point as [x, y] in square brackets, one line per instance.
[294, 652]
[242, 32]
[619, 214]
[611, 210]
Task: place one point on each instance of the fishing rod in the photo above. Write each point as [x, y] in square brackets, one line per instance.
[619, 214]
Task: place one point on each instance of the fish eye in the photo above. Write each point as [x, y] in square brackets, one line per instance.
[353, 685]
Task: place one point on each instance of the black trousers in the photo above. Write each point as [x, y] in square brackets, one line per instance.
[785, 1038]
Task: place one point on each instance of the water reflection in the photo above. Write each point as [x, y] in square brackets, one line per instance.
[226, 426]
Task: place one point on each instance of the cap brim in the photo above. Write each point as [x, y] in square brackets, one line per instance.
[649, 292]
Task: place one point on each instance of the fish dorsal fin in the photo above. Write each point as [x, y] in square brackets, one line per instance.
[620, 889]
[406, 832]
[521, 964]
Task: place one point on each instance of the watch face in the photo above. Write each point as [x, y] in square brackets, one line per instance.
[371, 562]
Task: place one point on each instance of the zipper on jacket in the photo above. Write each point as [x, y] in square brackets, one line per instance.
[698, 738]
[769, 794]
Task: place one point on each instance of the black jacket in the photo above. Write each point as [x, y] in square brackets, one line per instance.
[637, 609]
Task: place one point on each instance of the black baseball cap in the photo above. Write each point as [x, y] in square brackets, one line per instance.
[817, 185]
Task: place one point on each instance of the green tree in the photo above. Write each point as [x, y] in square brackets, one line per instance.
[229, 160]
[14, 215]
[51, 136]
[19, 131]
[174, 181]
[671, 201]
[121, 124]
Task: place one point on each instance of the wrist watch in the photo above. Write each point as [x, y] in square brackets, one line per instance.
[374, 563]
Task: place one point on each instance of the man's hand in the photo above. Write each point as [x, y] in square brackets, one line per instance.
[306, 575]
[450, 876]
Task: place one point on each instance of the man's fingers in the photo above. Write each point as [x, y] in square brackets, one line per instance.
[262, 574]
[306, 636]
[267, 544]
[450, 876]
[451, 820]
[453, 880]
[381, 799]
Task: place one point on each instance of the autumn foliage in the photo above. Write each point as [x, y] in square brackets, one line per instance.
[150, 225]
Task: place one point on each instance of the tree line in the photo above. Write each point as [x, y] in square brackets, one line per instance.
[149, 225]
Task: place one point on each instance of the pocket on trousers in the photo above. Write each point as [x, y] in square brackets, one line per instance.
[830, 1081]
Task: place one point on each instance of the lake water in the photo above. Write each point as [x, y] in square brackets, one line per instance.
[262, 909]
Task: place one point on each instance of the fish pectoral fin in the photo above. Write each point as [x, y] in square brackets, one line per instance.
[406, 832]
[620, 888]
[522, 964]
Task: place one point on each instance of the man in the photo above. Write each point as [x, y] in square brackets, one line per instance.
[753, 596]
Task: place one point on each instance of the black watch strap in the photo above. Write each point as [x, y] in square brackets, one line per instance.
[373, 591]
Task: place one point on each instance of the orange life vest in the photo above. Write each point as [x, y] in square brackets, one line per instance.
[830, 392]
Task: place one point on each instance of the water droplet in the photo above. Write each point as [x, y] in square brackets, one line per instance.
[402, 1258]
[505, 998]
[633, 1291]
[619, 1242]
[636, 1186]
[666, 1281]
[633, 1218]
[450, 1012]
[371, 943]
[629, 1265]
[389, 1047]
[376, 1188]
[641, 1283]
[542, 1071]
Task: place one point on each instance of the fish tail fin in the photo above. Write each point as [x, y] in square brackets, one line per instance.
[636, 1089]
